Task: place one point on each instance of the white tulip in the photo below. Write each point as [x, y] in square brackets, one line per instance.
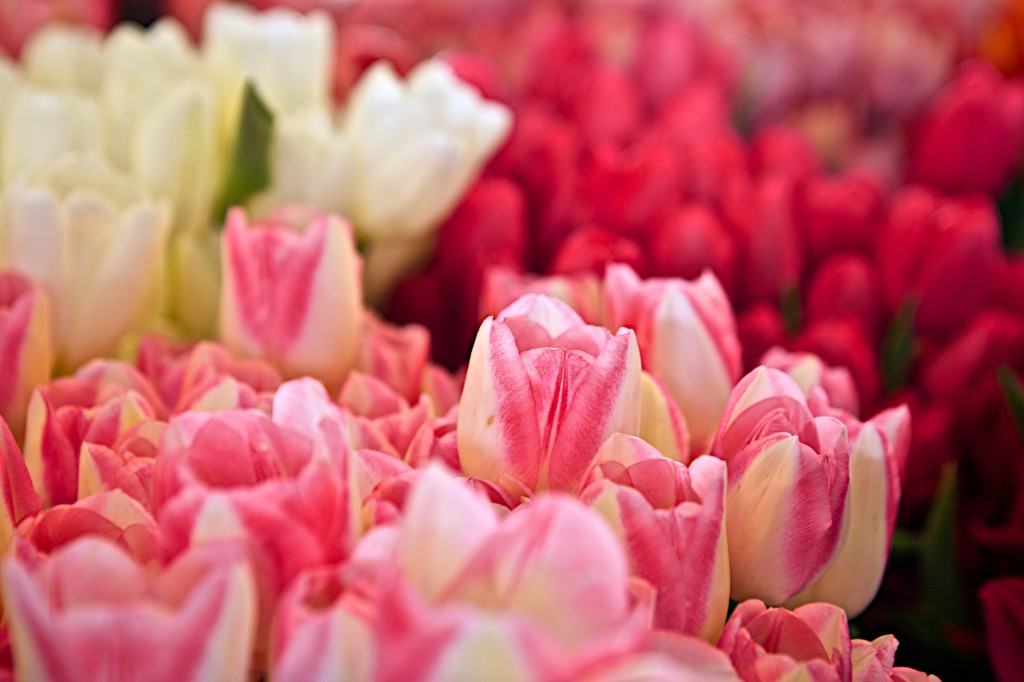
[63, 57]
[95, 242]
[416, 146]
[160, 109]
[40, 126]
[288, 56]
[310, 163]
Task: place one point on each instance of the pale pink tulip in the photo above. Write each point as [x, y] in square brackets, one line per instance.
[789, 479]
[396, 355]
[502, 286]
[808, 643]
[106, 404]
[291, 293]
[877, 450]
[89, 612]
[113, 516]
[820, 383]
[546, 590]
[543, 391]
[26, 338]
[671, 521]
[380, 419]
[687, 337]
[204, 376]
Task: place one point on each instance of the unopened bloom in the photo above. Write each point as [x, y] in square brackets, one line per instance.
[543, 391]
[415, 147]
[789, 477]
[291, 293]
[286, 55]
[687, 337]
[95, 241]
[108, 618]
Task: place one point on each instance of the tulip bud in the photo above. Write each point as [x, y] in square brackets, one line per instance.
[877, 448]
[543, 391]
[972, 136]
[291, 293]
[286, 55]
[88, 235]
[193, 621]
[671, 521]
[687, 338]
[789, 477]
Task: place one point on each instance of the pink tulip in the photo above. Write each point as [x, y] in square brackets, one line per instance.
[291, 293]
[811, 642]
[543, 391]
[548, 586]
[671, 521]
[89, 612]
[395, 355]
[204, 376]
[503, 286]
[824, 387]
[379, 418]
[878, 453]
[112, 516]
[789, 478]
[110, 409]
[25, 336]
[687, 338]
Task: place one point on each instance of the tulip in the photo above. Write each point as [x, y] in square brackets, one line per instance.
[286, 55]
[552, 571]
[811, 642]
[64, 57]
[112, 515]
[543, 391]
[40, 126]
[395, 355]
[878, 453]
[1003, 602]
[950, 264]
[94, 242]
[161, 116]
[789, 478]
[502, 286]
[291, 293]
[433, 126]
[67, 416]
[186, 376]
[687, 338]
[671, 521]
[971, 138]
[824, 387]
[89, 612]
[26, 337]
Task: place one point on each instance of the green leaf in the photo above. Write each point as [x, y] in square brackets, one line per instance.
[942, 592]
[791, 310]
[1011, 215]
[1013, 393]
[899, 348]
[249, 166]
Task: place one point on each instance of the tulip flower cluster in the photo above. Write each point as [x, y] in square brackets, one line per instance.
[521, 524]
